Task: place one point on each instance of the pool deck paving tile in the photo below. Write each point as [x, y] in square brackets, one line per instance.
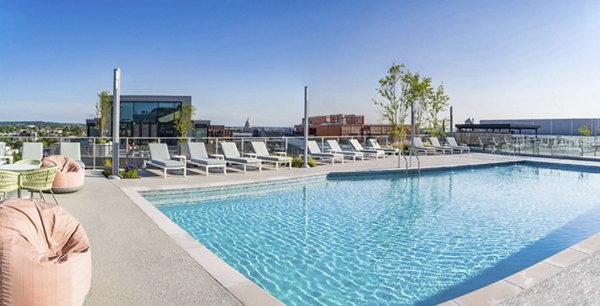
[588, 246]
[133, 261]
[578, 284]
[533, 275]
[566, 258]
[138, 262]
[489, 295]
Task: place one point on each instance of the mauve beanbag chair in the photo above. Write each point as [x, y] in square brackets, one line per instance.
[44, 254]
[70, 175]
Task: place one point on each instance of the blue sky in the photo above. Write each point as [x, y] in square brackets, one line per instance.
[501, 59]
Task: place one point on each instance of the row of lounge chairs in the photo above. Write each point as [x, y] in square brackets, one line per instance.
[336, 153]
[436, 147]
[198, 156]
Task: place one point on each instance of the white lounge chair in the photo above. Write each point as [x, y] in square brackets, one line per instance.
[334, 147]
[262, 153]
[388, 150]
[199, 157]
[4, 158]
[419, 147]
[435, 143]
[373, 153]
[232, 155]
[452, 143]
[160, 158]
[32, 150]
[73, 151]
[315, 152]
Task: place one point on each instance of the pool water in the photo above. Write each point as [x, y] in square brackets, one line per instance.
[390, 239]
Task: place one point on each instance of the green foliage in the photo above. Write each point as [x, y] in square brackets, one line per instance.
[438, 102]
[400, 90]
[183, 123]
[584, 130]
[16, 156]
[298, 162]
[129, 172]
[107, 168]
[394, 107]
[103, 106]
[417, 91]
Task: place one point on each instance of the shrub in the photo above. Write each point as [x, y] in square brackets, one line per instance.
[107, 168]
[298, 162]
[129, 172]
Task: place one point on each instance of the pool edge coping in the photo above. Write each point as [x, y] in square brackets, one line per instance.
[521, 281]
[524, 280]
[240, 287]
[249, 293]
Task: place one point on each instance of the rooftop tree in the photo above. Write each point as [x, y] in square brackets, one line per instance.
[103, 106]
[183, 123]
[394, 105]
[400, 89]
[438, 102]
[584, 130]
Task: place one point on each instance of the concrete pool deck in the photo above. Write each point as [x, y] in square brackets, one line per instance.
[137, 263]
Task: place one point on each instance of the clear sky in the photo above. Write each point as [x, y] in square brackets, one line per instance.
[497, 59]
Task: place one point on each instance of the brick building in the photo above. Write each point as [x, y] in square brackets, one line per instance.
[342, 125]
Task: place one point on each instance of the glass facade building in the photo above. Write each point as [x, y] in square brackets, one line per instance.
[147, 116]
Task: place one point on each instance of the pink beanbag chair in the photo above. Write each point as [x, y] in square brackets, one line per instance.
[70, 175]
[45, 255]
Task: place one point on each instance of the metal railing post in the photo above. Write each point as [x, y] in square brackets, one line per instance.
[94, 153]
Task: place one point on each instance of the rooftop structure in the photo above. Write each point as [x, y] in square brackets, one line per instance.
[342, 125]
[560, 126]
[497, 127]
[146, 116]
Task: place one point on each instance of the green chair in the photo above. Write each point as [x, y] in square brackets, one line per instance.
[34, 162]
[39, 180]
[9, 181]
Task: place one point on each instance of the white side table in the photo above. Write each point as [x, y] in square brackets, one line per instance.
[182, 158]
[18, 167]
[217, 156]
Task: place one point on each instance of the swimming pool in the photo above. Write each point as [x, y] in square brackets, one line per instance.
[390, 239]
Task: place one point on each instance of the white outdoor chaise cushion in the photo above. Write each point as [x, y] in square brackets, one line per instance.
[159, 157]
[73, 151]
[199, 155]
[232, 155]
[262, 153]
[314, 151]
[32, 150]
[358, 147]
[335, 148]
